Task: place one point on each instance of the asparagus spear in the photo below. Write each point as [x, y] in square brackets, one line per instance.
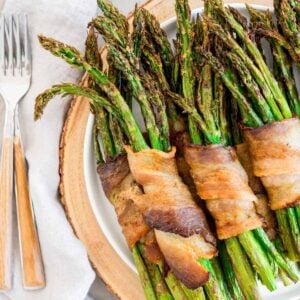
[75, 59]
[161, 290]
[222, 109]
[218, 67]
[97, 148]
[185, 30]
[229, 274]
[252, 87]
[264, 19]
[249, 116]
[152, 63]
[256, 73]
[243, 269]
[182, 9]
[161, 42]
[143, 274]
[287, 19]
[112, 13]
[139, 92]
[259, 60]
[206, 87]
[283, 226]
[92, 56]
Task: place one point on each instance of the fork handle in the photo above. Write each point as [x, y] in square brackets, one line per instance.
[6, 181]
[31, 258]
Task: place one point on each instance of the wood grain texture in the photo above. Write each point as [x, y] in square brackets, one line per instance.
[6, 213]
[118, 277]
[31, 258]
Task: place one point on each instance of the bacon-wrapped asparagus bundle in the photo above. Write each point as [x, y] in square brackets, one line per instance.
[120, 110]
[168, 206]
[214, 177]
[266, 103]
[150, 52]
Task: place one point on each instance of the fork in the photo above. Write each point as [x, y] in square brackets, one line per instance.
[15, 79]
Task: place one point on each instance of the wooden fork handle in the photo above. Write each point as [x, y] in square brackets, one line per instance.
[31, 258]
[6, 183]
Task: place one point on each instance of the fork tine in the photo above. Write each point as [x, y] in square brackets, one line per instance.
[27, 52]
[2, 46]
[17, 39]
[10, 43]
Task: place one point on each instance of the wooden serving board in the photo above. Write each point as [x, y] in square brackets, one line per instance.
[118, 277]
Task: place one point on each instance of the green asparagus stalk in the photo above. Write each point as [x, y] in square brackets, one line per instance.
[252, 87]
[101, 124]
[222, 109]
[139, 92]
[284, 230]
[92, 56]
[143, 274]
[185, 31]
[116, 133]
[292, 218]
[249, 116]
[161, 290]
[97, 148]
[156, 99]
[176, 73]
[175, 288]
[206, 96]
[271, 249]
[152, 64]
[245, 274]
[259, 60]
[197, 294]
[75, 59]
[161, 42]
[256, 73]
[215, 288]
[112, 13]
[219, 274]
[263, 269]
[287, 19]
[264, 19]
[229, 274]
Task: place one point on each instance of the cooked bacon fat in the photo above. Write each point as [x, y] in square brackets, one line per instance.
[223, 183]
[120, 187]
[275, 152]
[262, 207]
[181, 256]
[182, 232]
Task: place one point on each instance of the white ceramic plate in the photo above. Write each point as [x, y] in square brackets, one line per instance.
[105, 213]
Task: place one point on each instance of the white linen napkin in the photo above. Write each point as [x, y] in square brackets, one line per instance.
[68, 271]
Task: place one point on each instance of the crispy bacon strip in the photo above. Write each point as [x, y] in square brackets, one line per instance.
[223, 183]
[261, 205]
[119, 187]
[275, 152]
[181, 229]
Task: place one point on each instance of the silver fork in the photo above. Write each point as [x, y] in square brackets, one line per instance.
[15, 79]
